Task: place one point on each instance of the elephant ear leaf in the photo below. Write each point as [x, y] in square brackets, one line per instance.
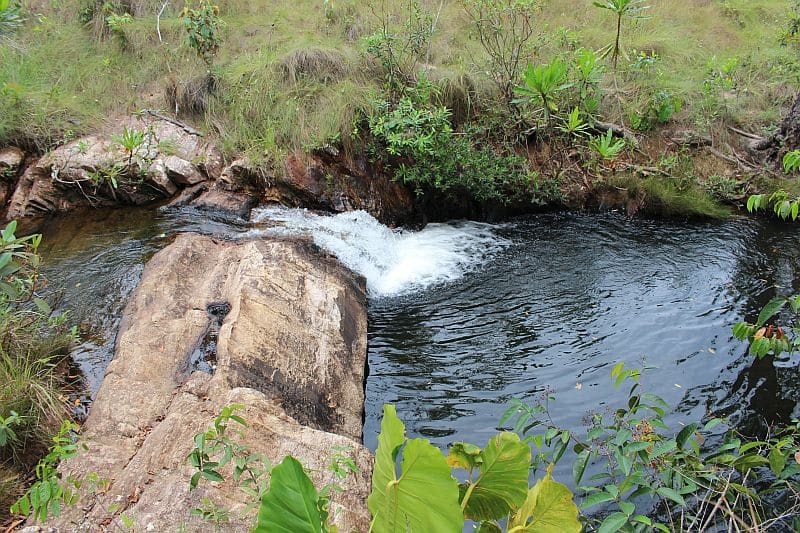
[502, 482]
[464, 455]
[424, 497]
[548, 508]
[291, 504]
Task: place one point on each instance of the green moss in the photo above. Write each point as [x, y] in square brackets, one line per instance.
[666, 197]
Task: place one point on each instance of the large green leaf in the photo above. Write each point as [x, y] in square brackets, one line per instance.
[502, 483]
[770, 310]
[390, 439]
[464, 455]
[548, 508]
[290, 505]
[424, 497]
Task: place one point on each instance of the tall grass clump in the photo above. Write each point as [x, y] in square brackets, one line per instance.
[667, 197]
[34, 348]
[299, 101]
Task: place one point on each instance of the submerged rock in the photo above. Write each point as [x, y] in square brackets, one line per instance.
[289, 327]
[223, 201]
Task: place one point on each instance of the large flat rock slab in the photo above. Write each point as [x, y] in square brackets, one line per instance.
[288, 324]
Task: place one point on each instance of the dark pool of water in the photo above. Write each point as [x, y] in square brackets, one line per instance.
[572, 296]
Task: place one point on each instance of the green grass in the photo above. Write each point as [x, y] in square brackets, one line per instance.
[290, 79]
[34, 371]
[33, 384]
[664, 197]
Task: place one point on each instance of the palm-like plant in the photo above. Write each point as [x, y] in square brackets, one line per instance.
[542, 84]
[10, 18]
[622, 9]
[606, 146]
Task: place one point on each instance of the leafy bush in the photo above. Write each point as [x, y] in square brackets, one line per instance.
[648, 476]
[791, 161]
[784, 205]
[542, 85]
[424, 150]
[587, 76]
[49, 493]
[203, 27]
[607, 146]
[769, 338]
[657, 108]
[505, 30]
[116, 24]
[214, 449]
[398, 48]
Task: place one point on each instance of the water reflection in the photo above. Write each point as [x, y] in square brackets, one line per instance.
[568, 297]
[574, 295]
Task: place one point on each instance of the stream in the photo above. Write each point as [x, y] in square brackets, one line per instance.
[465, 316]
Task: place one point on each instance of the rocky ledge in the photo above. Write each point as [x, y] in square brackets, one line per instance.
[146, 160]
[154, 158]
[279, 327]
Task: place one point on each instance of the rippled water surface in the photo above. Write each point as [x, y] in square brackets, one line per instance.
[568, 298]
[94, 259]
[464, 316]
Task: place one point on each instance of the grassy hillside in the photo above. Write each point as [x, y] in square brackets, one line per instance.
[295, 75]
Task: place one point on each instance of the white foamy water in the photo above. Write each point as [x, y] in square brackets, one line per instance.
[393, 261]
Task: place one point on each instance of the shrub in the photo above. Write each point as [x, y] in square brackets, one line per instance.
[648, 476]
[542, 85]
[784, 205]
[424, 151]
[399, 48]
[505, 30]
[657, 108]
[203, 28]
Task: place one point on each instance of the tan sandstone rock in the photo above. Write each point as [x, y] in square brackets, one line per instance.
[80, 173]
[10, 160]
[291, 347]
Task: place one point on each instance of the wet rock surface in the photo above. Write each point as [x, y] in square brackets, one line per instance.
[289, 330]
[325, 182]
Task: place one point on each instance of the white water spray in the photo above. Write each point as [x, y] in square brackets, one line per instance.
[393, 261]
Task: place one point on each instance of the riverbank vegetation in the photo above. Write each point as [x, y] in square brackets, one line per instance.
[631, 472]
[34, 374]
[629, 468]
[509, 101]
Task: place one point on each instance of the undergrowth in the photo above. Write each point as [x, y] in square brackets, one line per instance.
[34, 372]
[303, 75]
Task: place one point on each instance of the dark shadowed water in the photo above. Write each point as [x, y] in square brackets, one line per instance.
[571, 296]
[464, 317]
